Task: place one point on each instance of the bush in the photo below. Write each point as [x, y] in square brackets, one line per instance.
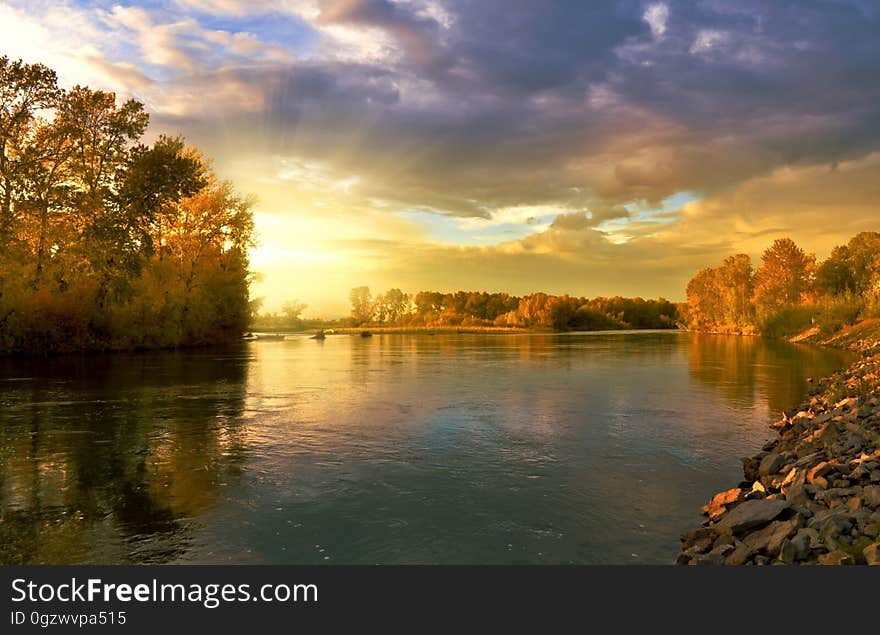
[788, 321]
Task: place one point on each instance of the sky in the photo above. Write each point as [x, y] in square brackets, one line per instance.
[592, 148]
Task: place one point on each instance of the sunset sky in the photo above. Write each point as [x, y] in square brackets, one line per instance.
[594, 148]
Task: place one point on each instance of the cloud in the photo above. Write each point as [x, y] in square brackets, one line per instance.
[484, 115]
[656, 16]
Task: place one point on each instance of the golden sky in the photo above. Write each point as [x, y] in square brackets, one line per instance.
[505, 145]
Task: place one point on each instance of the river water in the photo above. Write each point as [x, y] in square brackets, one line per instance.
[533, 448]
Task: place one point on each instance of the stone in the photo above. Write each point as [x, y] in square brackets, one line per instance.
[836, 558]
[875, 476]
[872, 554]
[750, 468]
[821, 482]
[784, 529]
[683, 559]
[709, 559]
[819, 470]
[802, 543]
[770, 464]
[854, 503]
[797, 495]
[871, 495]
[699, 539]
[788, 552]
[739, 555]
[753, 513]
[719, 503]
[872, 530]
[723, 540]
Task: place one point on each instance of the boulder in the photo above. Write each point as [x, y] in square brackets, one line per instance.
[753, 513]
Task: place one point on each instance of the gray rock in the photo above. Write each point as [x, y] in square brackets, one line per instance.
[771, 464]
[753, 513]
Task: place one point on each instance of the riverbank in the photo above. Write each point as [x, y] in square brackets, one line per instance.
[812, 495]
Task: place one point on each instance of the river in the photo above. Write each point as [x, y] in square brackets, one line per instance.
[527, 448]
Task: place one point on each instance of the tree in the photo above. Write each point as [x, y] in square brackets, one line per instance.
[835, 275]
[785, 276]
[292, 309]
[24, 89]
[361, 305]
[735, 279]
[396, 303]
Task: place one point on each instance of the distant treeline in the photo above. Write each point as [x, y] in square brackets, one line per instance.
[107, 243]
[789, 291]
[538, 310]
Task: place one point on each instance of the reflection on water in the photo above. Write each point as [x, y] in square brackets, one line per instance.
[447, 448]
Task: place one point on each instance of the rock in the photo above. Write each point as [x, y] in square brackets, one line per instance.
[788, 552]
[797, 495]
[875, 476]
[854, 503]
[709, 559]
[871, 495]
[819, 470]
[771, 464]
[872, 530]
[739, 555]
[801, 544]
[752, 513]
[750, 468]
[872, 554]
[784, 529]
[683, 559]
[719, 503]
[723, 540]
[836, 558]
[701, 539]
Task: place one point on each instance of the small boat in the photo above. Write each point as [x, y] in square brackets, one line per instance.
[366, 334]
[318, 336]
[249, 337]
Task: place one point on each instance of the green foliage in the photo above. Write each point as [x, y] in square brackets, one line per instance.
[788, 320]
[106, 243]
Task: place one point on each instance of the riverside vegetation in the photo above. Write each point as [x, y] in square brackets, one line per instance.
[105, 242]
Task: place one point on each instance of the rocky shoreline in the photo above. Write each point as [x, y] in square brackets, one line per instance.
[812, 495]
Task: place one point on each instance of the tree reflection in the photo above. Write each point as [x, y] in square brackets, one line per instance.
[749, 370]
[106, 458]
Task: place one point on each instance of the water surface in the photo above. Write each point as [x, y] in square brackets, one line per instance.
[574, 448]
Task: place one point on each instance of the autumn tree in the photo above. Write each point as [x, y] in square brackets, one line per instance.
[361, 305]
[785, 276]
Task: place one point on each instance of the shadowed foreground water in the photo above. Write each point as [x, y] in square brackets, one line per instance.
[581, 448]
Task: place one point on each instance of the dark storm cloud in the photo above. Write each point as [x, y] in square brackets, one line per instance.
[576, 104]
